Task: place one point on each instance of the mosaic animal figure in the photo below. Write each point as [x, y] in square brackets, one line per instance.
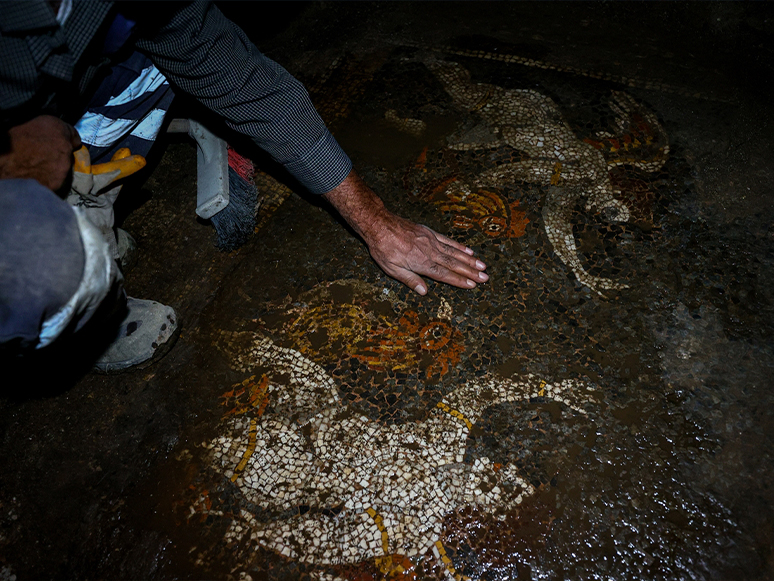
[571, 169]
[378, 341]
[483, 211]
[369, 490]
[486, 211]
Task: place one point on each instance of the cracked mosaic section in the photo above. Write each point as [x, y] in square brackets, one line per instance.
[373, 435]
[355, 489]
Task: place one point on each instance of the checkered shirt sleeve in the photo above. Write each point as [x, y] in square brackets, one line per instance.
[34, 48]
[206, 56]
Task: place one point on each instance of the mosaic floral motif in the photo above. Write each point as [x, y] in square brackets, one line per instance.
[570, 169]
[486, 211]
[345, 488]
[382, 343]
[402, 346]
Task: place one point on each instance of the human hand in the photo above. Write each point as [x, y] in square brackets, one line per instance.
[40, 149]
[404, 250]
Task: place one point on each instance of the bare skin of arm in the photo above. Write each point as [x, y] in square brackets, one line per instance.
[40, 149]
[404, 250]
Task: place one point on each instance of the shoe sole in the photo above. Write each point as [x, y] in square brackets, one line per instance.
[160, 352]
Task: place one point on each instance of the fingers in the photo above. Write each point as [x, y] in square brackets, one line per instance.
[449, 270]
[453, 243]
[101, 175]
[452, 270]
[121, 154]
[431, 256]
[473, 267]
[459, 258]
[122, 160]
[411, 280]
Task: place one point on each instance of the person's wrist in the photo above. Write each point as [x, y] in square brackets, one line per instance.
[362, 209]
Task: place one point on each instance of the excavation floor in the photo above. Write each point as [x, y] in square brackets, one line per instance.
[602, 408]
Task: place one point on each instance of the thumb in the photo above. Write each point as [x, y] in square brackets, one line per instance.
[411, 280]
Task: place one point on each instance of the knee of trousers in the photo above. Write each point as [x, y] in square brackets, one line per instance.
[55, 267]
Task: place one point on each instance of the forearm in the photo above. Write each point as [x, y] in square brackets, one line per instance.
[205, 55]
[404, 250]
[362, 209]
[208, 57]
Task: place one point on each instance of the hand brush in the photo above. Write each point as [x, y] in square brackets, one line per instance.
[226, 194]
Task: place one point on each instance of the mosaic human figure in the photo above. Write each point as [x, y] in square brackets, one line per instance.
[570, 169]
[370, 490]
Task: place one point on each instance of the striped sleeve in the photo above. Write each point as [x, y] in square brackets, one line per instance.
[208, 57]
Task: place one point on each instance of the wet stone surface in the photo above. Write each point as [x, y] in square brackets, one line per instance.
[601, 409]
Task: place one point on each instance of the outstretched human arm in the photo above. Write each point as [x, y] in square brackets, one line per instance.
[208, 57]
[404, 250]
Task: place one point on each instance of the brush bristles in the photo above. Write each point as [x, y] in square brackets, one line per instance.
[234, 224]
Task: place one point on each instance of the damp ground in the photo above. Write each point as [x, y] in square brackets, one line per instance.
[637, 423]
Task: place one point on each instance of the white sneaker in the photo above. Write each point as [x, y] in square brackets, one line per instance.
[149, 329]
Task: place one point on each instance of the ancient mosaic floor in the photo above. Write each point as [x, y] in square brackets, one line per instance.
[598, 410]
[376, 434]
